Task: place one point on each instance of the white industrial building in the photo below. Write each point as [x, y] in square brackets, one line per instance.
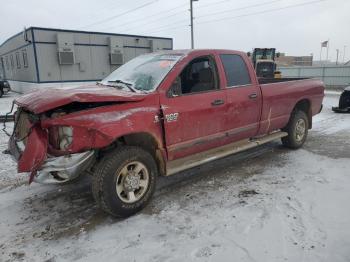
[44, 57]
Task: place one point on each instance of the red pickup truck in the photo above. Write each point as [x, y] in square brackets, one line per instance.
[158, 114]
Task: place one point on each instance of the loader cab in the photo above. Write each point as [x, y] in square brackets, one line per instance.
[263, 60]
[265, 68]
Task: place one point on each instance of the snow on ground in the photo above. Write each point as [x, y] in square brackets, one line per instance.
[266, 204]
[6, 102]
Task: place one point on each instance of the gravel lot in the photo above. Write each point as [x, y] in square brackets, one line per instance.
[266, 204]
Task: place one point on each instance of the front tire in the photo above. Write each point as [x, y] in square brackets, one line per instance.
[297, 130]
[124, 181]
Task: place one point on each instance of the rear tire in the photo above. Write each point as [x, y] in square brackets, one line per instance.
[297, 129]
[124, 181]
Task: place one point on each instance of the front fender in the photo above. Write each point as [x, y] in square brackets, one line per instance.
[98, 128]
[34, 153]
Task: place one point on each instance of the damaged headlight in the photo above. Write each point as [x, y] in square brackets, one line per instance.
[61, 137]
[65, 136]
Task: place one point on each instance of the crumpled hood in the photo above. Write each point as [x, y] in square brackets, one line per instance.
[49, 98]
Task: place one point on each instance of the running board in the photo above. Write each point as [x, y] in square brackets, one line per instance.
[181, 164]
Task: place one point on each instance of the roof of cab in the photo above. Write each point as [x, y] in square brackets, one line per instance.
[193, 51]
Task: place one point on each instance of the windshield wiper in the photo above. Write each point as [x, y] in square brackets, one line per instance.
[128, 85]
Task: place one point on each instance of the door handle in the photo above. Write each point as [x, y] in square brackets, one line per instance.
[253, 96]
[217, 102]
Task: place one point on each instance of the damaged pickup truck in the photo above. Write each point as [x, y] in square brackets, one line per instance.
[158, 114]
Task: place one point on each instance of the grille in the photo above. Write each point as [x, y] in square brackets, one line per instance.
[22, 125]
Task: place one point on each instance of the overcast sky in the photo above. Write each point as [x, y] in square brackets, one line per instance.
[295, 27]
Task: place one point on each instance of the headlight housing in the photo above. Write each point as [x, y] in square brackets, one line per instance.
[65, 135]
[61, 137]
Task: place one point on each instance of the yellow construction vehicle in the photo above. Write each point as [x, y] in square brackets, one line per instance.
[264, 63]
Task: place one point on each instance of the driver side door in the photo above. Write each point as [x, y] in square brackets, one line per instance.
[194, 109]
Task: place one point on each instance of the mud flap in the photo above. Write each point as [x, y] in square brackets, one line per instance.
[35, 152]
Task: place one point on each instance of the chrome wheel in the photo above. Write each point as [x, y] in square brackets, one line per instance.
[132, 182]
[300, 129]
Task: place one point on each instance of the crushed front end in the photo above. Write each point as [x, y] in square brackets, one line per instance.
[43, 151]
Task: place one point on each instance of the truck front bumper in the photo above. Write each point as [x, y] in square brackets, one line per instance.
[32, 158]
[56, 170]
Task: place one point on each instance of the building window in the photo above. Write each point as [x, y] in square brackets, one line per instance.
[25, 58]
[236, 70]
[18, 60]
[7, 63]
[12, 63]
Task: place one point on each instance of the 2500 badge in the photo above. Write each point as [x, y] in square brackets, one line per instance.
[171, 117]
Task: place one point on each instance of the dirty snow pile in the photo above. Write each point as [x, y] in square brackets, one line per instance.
[266, 204]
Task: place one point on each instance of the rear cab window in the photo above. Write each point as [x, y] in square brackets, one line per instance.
[236, 70]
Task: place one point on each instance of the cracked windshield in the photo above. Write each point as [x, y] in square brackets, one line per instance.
[143, 73]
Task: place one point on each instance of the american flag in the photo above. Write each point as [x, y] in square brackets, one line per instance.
[324, 44]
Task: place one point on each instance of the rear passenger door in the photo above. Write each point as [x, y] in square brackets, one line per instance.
[243, 98]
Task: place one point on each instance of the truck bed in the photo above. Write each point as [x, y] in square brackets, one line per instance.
[280, 96]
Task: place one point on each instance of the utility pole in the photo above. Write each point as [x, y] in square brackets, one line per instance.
[344, 54]
[336, 62]
[312, 58]
[191, 11]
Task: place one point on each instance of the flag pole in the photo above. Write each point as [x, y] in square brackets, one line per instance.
[344, 54]
[327, 49]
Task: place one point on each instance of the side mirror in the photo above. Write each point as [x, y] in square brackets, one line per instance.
[249, 54]
[278, 54]
[175, 89]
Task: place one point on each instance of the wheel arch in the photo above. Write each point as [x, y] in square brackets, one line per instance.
[146, 141]
[305, 106]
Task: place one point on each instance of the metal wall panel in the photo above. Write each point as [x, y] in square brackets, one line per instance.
[332, 76]
[92, 54]
[99, 62]
[48, 62]
[14, 45]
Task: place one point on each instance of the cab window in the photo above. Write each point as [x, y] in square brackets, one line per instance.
[200, 75]
[236, 70]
